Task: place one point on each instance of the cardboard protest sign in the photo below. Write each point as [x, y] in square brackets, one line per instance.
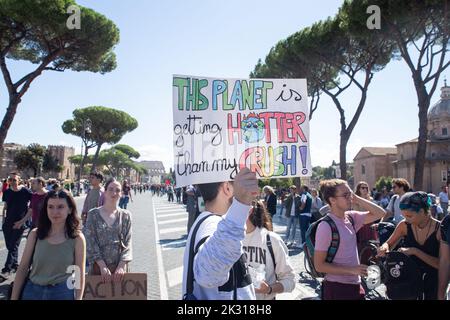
[132, 287]
[223, 125]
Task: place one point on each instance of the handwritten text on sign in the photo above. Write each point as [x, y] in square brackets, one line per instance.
[132, 287]
[223, 125]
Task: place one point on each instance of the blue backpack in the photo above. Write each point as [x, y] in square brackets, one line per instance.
[308, 246]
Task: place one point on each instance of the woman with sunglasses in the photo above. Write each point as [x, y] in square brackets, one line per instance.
[421, 235]
[266, 251]
[366, 233]
[108, 236]
[51, 249]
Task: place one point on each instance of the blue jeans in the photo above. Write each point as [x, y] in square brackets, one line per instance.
[292, 223]
[59, 291]
[304, 225]
[123, 202]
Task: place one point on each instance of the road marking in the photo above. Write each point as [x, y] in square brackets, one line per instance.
[175, 276]
[164, 295]
[172, 214]
[174, 243]
[172, 230]
[172, 221]
[170, 210]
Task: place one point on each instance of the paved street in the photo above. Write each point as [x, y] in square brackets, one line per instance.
[159, 239]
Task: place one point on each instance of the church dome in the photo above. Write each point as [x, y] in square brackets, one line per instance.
[442, 108]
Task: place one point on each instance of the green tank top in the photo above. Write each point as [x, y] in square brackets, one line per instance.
[50, 262]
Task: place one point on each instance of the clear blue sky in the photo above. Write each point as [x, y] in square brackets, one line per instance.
[205, 38]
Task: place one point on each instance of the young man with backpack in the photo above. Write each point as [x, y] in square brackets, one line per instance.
[400, 187]
[214, 261]
[337, 232]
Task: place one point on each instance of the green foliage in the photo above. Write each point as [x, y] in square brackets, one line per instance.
[129, 151]
[384, 182]
[31, 158]
[107, 125]
[76, 159]
[51, 163]
[36, 31]
[276, 183]
[331, 57]
[115, 161]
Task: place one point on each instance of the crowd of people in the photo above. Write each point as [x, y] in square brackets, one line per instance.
[97, 241]
[235, 224]
[232, 251]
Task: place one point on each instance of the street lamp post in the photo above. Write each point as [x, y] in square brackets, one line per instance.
[86, 123]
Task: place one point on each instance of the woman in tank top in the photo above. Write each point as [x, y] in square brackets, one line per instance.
[55, 246]
[421, 235]
[108, 236]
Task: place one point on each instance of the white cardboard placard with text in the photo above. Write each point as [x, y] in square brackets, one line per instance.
[222, 125]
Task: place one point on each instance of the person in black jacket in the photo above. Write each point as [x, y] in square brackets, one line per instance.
[270, 200]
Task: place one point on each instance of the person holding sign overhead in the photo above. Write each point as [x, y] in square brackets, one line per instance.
[108, 236]
[215, 268]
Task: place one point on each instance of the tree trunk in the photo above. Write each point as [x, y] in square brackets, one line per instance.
[343, 155]
[8, 119]
[424, 103]
[86, 151]
[298, 183]
[97, 152]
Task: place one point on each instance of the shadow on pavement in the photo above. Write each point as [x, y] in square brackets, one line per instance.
[167, 241]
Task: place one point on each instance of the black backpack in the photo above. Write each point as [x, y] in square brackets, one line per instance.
[402, 277]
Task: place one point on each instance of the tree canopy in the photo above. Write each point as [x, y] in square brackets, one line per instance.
[36, 31]
[107, 125]
[332, 57]
[419, 32]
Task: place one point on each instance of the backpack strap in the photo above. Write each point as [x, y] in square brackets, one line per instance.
[192, 253]
[191, 266]
[269, 246]
[395, 197]
[234, 284]
[335, 240]
[351, 221]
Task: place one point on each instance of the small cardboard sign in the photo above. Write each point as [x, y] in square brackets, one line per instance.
[132, 287]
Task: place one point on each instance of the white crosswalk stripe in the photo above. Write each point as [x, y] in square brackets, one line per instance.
[172, 221]
[172, 230]
[172, 224]
[175, 276]
[165, 215]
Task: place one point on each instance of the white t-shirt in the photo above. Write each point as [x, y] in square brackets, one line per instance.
[303, 200]
[257, 252]
[293, 207]
[395, 208]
